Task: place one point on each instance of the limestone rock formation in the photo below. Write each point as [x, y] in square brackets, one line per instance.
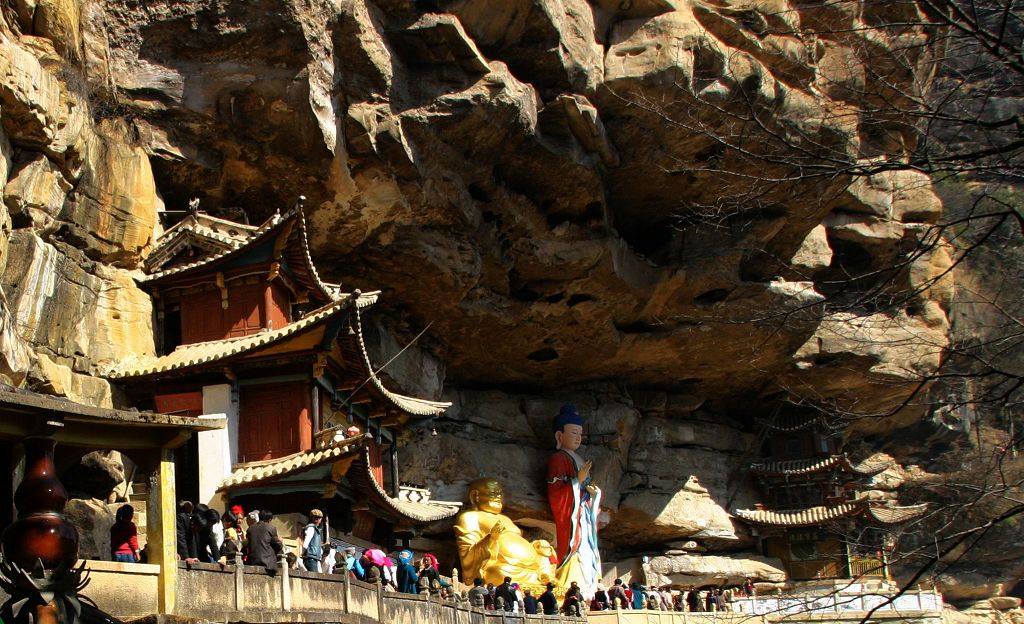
[558, 191]
[718, 570]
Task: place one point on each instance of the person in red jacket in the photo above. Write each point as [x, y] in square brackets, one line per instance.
[124, 536]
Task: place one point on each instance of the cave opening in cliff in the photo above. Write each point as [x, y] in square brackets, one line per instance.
[850, 274]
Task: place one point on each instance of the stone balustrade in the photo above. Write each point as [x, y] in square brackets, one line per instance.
[213, 592]
[232, 593]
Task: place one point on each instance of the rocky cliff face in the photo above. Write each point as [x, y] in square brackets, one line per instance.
[558, 188]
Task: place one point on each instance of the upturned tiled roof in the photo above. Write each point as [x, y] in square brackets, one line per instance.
[804, 517]
[429, 511]
[897, 514]
[798, 467]
[255, 233]
[257, 472]
[814, 516]
[412, 405]
[359, 475]
[194, 354]
[298, 250]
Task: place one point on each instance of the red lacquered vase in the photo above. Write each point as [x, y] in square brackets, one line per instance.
[41, 532]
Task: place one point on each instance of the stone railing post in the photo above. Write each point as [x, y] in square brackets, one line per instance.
[348, 591]
[380, 600]
[286, 586]
[239, 582]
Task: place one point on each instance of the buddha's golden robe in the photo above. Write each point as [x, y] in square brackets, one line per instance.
[492, 547]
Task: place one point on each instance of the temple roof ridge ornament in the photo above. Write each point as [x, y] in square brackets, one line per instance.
[197, 228]
[292, 225]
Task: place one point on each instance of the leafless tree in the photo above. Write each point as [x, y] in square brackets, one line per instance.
[926, 88]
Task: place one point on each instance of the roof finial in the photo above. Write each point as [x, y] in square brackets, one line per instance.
[193, 205]
[300, 202]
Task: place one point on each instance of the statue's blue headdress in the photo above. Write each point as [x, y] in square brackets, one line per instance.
[567, 415]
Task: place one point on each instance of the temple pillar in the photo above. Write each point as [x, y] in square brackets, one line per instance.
[161, 509]
[218, 449]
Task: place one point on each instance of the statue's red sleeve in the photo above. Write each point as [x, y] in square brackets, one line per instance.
[563, 499]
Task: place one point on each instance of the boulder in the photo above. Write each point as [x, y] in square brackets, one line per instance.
[5, 218]
[49, 377]
[93, 520]
[699, 570]
[968, 586]
[552, 41]
[1004, 603]
[814, 253]
[95, 475]
[60, 22]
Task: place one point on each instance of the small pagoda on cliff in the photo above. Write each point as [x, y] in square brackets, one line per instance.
[245, 327]
[819, 518]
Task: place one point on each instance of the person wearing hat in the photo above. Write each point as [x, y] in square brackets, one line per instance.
[575, 502]
[313, 542]
[353, 566]
[407, 577]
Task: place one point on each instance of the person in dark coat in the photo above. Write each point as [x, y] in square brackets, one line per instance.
[185, 542]
[572, 605]
[207, 549]
[433, 581]
[693, 600]
[506, 594]
[478, 595]
[530, 603]
[264, 543]
[548, 600]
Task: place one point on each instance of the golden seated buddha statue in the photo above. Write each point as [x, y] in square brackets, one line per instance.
[492, 547]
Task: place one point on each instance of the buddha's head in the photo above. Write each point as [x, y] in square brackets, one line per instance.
[568, 428]
[486, 494]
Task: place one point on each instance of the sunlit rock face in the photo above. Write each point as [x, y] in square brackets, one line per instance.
[531, 180]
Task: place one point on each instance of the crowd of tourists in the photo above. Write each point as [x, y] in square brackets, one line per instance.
[637, 596]
[206, 535]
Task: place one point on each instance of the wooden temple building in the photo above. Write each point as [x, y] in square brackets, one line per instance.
[819, 517]
[245, 328]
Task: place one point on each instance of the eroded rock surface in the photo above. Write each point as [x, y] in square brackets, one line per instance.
[552, 187]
